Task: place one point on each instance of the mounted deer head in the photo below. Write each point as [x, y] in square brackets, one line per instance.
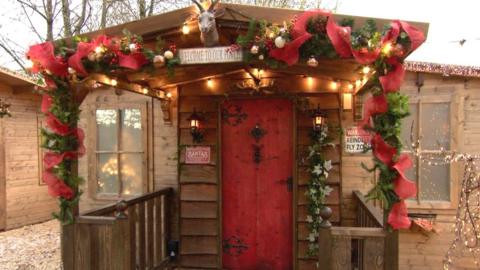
[207, 24]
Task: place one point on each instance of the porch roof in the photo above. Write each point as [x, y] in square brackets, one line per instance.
[234, 22]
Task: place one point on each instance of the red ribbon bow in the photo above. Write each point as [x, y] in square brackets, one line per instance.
[56, 187]
[43, 57]
[398, 216]
[290, 53]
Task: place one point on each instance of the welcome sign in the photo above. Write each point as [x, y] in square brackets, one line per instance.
[209, 55]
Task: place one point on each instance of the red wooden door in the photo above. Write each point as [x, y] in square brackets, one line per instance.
[257, 197]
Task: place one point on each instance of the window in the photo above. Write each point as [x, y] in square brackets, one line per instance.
[430, 123]
[120, 158]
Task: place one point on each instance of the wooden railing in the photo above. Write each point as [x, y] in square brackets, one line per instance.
[130, 234]
[368, 215]
[354, 248]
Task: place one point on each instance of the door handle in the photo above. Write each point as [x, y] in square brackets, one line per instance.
[288, 182]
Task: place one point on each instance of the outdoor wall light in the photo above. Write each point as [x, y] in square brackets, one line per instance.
[194, 120]
[319, 119]
[347, 101]
[185, 29]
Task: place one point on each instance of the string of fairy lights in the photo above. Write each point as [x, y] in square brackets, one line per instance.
[467, 218]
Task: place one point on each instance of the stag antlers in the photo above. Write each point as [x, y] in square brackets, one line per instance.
[202, 9]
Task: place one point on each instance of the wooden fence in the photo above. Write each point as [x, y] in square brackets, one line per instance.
[131, 234]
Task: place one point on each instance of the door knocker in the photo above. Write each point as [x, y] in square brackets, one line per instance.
[257, 133]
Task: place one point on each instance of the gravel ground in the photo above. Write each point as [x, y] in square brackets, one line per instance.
[35, 247]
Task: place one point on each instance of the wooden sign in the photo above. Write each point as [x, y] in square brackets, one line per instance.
[209, 55]
[355, 139]
[197, 155]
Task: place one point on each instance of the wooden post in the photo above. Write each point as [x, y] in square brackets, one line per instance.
[325, 239]
[67, 243]
[392, 250]
[121, 257]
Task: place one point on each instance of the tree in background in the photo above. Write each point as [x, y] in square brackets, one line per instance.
[54, 19]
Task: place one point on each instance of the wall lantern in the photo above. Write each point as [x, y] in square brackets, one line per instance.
[194, 120]
[347, 101]
[319, 119]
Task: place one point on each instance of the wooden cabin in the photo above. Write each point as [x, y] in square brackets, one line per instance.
[209, 189]
[24, 198]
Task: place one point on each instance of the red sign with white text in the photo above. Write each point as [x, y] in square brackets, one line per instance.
[197, 155]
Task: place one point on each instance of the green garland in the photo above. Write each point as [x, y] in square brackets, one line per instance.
[66, 109]
[318, 189]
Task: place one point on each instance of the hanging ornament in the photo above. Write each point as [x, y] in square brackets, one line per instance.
[280, 42]
[168, 55]
[132, 47]
[312, 62]
[261, 57]
[158, 61]
[398, 50]
[92, 57]
[71, 71]
[254, 49]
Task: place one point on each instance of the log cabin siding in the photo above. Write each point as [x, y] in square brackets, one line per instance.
[200, 221]
[27, 200]
[161, 145]
[420, 251]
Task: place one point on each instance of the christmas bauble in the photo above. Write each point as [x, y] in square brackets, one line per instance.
[168, 55]
[132, 47]
[312, 62]
[158, 61]
[261, 57]
[91, 56]
[280, 42]
[254, 49]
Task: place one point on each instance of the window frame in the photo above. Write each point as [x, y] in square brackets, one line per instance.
[430, 98]
[93, 152]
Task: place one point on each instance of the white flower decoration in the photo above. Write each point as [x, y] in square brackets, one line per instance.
[309, 219]
[317, 169]
[327, 165]
[311, 237]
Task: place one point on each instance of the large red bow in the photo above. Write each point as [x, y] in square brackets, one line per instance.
[340, 38]
[383, 151]
[373, 106]
[290, 53]
[392, 81]
[415, 35]
[398, 216]
[403, 187]
[43, 57]
[56, 187]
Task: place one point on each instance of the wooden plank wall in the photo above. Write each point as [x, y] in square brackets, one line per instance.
[199, 188]
[420, 251]
[162, 144]
[27, 200]
[329, 103]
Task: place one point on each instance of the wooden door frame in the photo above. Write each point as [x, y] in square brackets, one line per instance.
[3, 182]
[294, 175]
